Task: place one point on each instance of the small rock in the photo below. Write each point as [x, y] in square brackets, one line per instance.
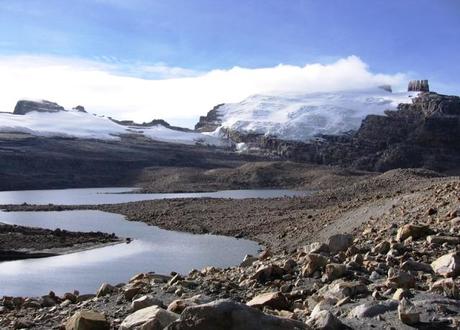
[275, 300]
[408, 313]
[145, 301]
[339, 242]
[104, 290]
[450, 240]
[416, 266]
[248, 260]
[314, 262]
[87, 320]
[152, 317]
[414, 231]
[325, 320]
[448, 265]
[400, 294]
[335, 271]
[373, 309]
[446, 287]
[267, 273]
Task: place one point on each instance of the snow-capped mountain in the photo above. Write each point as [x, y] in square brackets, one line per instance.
[301, 117]
[43, 118]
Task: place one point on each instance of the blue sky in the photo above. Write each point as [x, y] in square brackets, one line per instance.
[418, 37]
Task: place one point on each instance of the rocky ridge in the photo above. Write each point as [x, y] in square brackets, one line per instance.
[23, 107]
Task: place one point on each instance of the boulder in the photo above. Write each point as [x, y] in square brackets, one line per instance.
[248, 260]
[341, 289]
[267, 273]
[411, 265]
[339, 242]
[230, 315]
[178, 305]
[446, 287]
[104, 290]
[408, 313]
[150, 318]
[274, 300]
[373, 309]
[414, 231]
[325, 320]
[317, 247]
[130, 290]
[400, 294]
[448, 265]
[314, 262]
[401, 279]
[145, 301]
[451, 240]
[335, 271]
[382, 248]
[87, 320]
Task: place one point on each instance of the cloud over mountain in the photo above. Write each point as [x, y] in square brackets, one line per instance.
[175, 94]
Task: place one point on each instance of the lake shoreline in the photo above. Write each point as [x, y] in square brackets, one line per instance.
[22, 242]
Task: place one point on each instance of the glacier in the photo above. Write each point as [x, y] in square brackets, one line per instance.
[302, 117]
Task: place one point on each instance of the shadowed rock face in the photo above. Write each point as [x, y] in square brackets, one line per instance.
[210, 122]
[24, 107]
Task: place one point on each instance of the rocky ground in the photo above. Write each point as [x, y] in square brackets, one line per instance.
[18, 242]
[250, 175]
[382, 254]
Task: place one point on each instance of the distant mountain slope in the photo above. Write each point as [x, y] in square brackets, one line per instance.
[47, 119]
[301, 117]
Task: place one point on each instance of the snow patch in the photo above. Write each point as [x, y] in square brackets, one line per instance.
[78, 124]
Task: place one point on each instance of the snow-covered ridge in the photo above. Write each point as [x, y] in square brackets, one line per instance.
[302, 117]
[74, 123]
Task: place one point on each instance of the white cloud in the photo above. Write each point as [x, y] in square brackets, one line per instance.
[102, 89]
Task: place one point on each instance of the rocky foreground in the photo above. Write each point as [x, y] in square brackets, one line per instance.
[398, 269]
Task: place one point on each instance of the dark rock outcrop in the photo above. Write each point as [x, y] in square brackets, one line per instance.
[80, 108]
[152, 123]
[211, 121]
[23, 107]
[418, 86]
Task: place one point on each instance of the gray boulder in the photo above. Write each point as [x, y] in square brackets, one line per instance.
[230, 315]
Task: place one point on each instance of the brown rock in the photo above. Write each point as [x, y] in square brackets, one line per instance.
[408, 313]
[314, 262]
[335, 271]
[448, 265]
[414, 231]
[275, 300]
[87, 320]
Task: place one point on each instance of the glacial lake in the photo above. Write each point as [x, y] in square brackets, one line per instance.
[92, 196]
[152, 249]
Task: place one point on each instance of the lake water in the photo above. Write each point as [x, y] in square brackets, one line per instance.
[92, 196]
[152, 249]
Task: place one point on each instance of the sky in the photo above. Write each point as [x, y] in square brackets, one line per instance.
[176, 59]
